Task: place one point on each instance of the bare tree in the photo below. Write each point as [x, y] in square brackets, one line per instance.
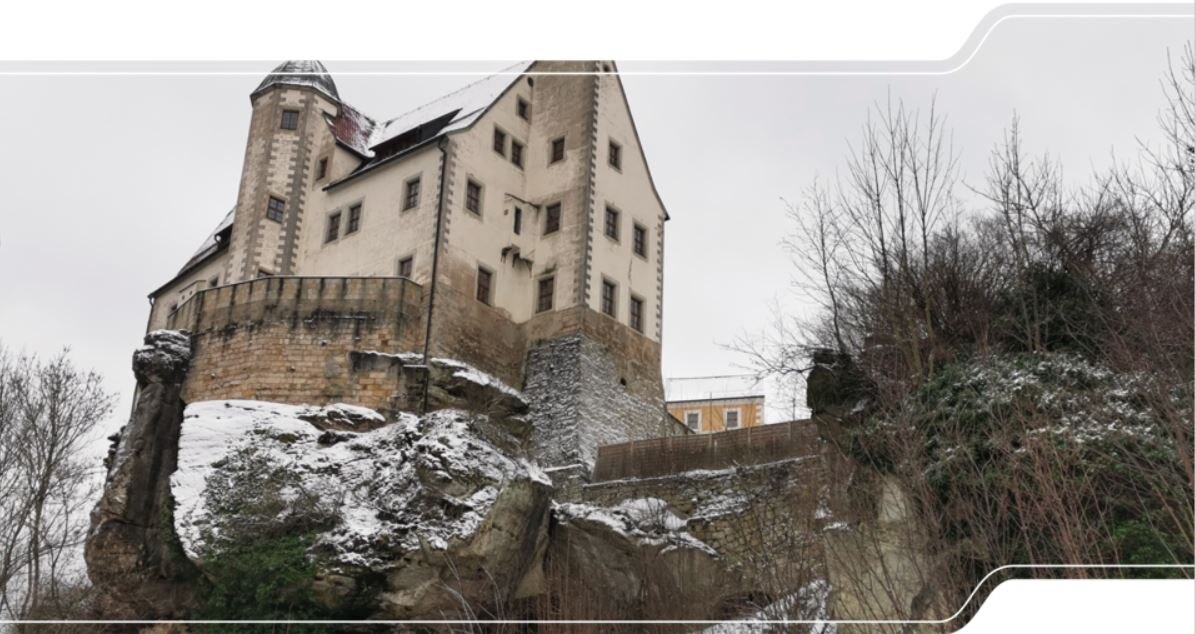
[48, 411]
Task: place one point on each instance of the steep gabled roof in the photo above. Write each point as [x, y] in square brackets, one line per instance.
[213, 242]
[379, 141]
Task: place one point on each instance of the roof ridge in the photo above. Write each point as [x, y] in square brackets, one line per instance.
[503, 71]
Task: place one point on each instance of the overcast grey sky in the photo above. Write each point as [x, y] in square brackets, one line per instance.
[111, 182]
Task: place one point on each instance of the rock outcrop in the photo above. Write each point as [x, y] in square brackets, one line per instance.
[440, 515]
[131, 553]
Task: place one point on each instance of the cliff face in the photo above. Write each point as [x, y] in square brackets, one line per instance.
[341, 511]
[132, 556]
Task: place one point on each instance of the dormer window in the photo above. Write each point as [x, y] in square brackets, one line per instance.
[290, 119]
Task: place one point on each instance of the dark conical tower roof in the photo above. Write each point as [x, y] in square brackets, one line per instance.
[301, 72]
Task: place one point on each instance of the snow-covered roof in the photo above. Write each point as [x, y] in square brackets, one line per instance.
[301, 72]
[468, 103]
[703, 388]
[210, 244]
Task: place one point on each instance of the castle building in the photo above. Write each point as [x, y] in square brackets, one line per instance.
[716, 403]
[512, 224]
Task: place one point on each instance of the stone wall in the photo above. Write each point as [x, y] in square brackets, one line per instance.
[747, 514]
[291, 340]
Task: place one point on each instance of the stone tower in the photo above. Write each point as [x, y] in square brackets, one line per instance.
[287, 122]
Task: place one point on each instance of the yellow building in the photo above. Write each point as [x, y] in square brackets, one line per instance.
[716, 403]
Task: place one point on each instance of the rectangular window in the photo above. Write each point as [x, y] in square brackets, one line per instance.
[334, 227]
[731, 419]
[290, 119]
[485, 281]
[406, 266]
[552, 218]
[612, 223]
[614, 155]
[523, 109]
[639, 240]
[411, 195]
[636, 317]
[518, 220]
[558, 150]
[322, 169]
[276, 209]
[608, 297]
[354, 220]
[544, 294]
[473, 196]
[693, 420]
[517, 153]
[500, 141]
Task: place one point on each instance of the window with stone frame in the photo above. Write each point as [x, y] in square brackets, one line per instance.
[609, 297]
[636, 313]
[612, 223]
[354, 219]
[290, 119]
[614, 155]
[473, 196]
[518, 228]
[552, 218]
[411, 194]
[639, 240]
[544, 292]
[517, 153]
[276, 209]
[523, 109]
[334, 227]
[407, 266]
[693, 420]
[557, 152]
[500, 141]
[731, 419]
[322, 169]
[485, 285]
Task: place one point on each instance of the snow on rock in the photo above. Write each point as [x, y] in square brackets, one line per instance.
[467, 372]
[164, 357]
[807, 606]
[645, 522]
[414, 486]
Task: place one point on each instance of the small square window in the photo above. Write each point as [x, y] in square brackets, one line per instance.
[276, 209]
[354, 220]
[552, 218]
[544, 294]
[636, 316]
[517, 153]
[485, 282]
[334, 227]
[411, 195]
[406, 266]
[639, 240]
[322, 169]
[500, 141]
[693, 420]
[523, 109]
[214, 282]
[609, 289]
[614, 155]
[290, 119]
[473, 196]
[731, 419]
[557, 153]
[612, 223]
